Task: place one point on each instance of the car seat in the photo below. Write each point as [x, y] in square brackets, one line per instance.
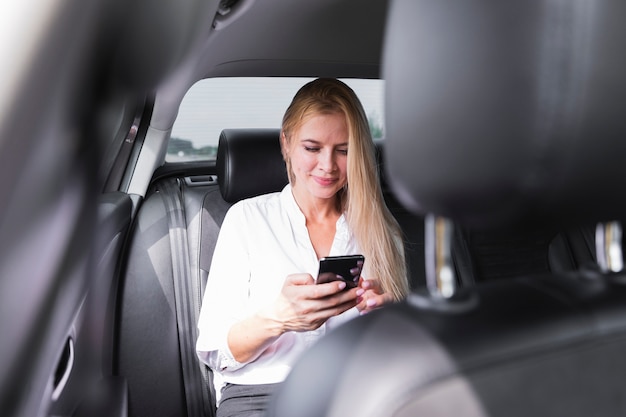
[498, 115]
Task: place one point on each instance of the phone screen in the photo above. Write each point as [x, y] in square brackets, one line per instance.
[347, 268]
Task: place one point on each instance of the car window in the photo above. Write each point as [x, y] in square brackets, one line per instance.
[214, 104]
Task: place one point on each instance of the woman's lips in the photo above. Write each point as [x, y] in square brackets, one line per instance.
[325, 182]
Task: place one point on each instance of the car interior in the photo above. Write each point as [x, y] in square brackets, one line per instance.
[501, 161]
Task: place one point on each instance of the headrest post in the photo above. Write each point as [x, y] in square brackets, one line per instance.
[440, 276]
[609, 246]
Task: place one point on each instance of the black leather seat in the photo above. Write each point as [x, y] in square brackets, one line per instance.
[148, 347]
[250, 163]
[499, 116]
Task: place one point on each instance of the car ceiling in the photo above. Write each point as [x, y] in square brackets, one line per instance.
[339, 38]
[334, 38]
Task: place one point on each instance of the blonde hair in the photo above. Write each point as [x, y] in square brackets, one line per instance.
[377, 232]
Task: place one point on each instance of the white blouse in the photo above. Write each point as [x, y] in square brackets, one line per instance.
[261, 241]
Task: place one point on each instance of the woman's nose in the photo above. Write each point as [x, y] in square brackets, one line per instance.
[327, 160]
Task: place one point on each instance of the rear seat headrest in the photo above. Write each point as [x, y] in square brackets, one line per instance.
[507, 112]
[250, 163]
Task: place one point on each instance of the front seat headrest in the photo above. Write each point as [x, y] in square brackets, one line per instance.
[155, 38]
[250, 163]
[507, 112]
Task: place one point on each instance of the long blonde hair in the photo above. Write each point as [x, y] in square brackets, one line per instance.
[376, 230]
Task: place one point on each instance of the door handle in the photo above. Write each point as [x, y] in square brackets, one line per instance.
[63, 369]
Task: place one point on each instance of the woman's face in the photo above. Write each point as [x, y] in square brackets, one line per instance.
[319, 155]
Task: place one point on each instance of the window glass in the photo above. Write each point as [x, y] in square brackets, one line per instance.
[214, 104]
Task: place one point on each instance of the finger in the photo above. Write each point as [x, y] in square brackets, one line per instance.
[299, 279]
[320, 291]
[339, 298]
[366, 306]
[369, 301]
[321, 310]
[346, 296]
[325, 277]
[372, 285]
[337, 309]
[373, 302]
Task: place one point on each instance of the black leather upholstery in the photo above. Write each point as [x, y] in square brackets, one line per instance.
[249, 163]
[499, 115]
[509, 112]
[155, 39]
[543, 347]
[483, 255]
[147, 340]
[148, 353]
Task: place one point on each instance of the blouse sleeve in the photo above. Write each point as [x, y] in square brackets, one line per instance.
[226, 293]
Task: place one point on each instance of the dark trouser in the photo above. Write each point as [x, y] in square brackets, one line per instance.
[244, 400]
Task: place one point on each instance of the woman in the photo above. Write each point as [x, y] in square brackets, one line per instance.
[262, 307]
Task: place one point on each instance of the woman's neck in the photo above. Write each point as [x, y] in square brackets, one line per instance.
[317, 210]
[321, 217]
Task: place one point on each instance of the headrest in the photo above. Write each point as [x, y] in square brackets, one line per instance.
[154, 40]
[250, 163]
[507, 112]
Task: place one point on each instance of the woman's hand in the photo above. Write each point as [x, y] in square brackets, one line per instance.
[371, 296]
[303, 305]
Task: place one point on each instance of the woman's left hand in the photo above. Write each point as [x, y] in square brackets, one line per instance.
[371, 296]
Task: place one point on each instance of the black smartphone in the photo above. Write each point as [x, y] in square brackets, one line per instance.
[347, 268]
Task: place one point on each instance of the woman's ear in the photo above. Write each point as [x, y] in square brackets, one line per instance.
[284, 148]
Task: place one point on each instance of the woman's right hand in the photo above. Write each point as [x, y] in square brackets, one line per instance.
[303, 305]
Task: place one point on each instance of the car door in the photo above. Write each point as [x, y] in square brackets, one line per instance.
[66, 66]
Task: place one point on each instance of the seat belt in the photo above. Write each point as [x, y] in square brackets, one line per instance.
[187, 295]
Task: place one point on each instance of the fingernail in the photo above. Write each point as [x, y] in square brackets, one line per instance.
[371, 302]
[342, 285]
[360, 292]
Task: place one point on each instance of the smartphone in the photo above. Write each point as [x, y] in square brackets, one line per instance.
[347, 268]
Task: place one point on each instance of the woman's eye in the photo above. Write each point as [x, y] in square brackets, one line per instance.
[311, 149]
[342, 151]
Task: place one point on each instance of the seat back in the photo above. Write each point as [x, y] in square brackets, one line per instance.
[148, 352]
[249, 163]
[499, 117]
[503, 253]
